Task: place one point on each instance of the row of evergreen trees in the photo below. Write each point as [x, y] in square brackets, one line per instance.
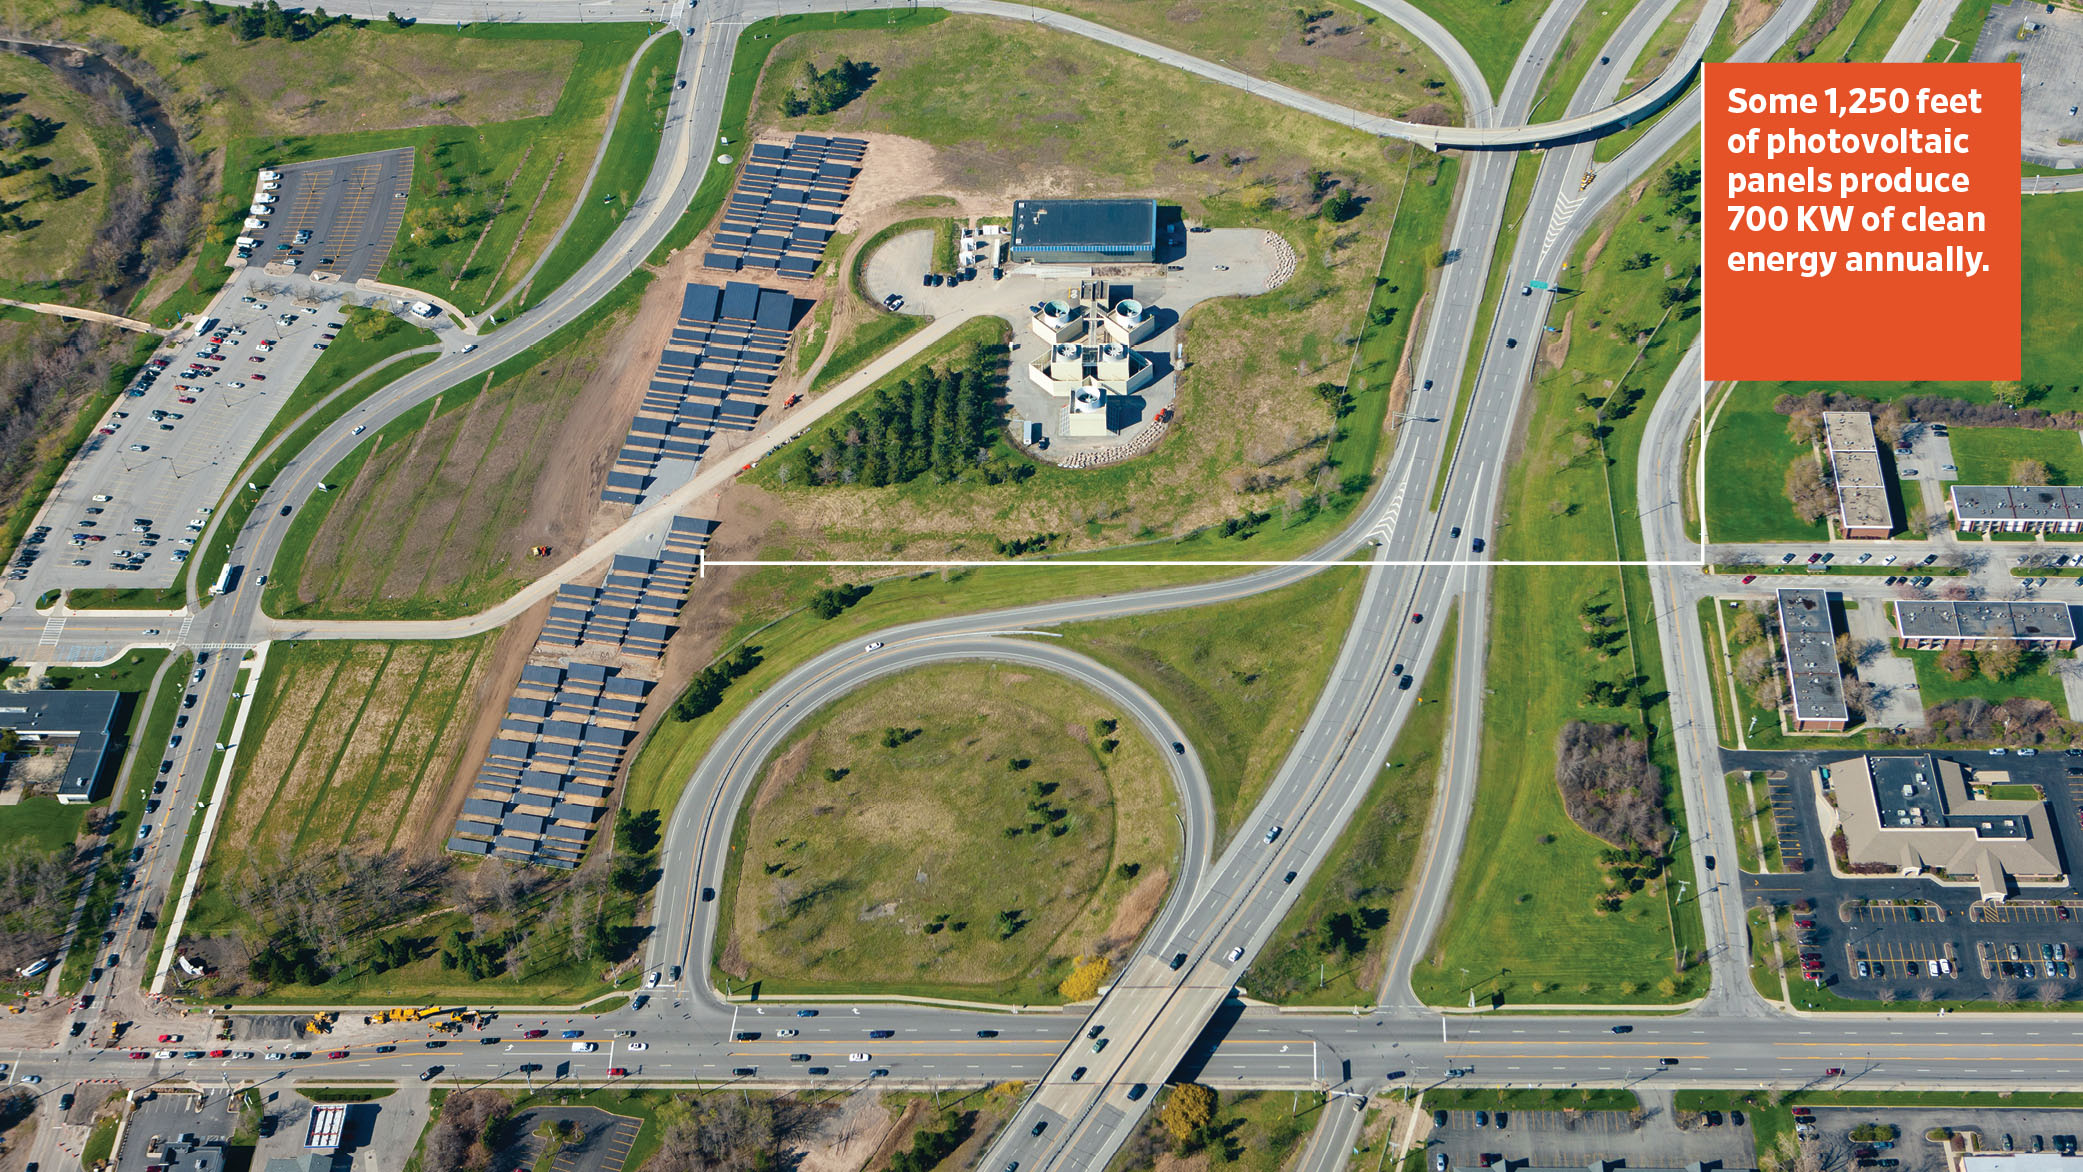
[937, 423]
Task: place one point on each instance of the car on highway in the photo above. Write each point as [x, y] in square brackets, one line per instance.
[638, 1046]
[1511, 343]
[987, 1033]
[162, 1055]
[1272, 834]
[535, 1033]
[385, 1049]
[877, 646]
[618, 1072]
[336, 1054]
[1039, 1127]
[582, 1033]
[783, 1033]
[651, 981]
[806, 1013]
[860, 1056]
[1416, 617]
[139, 1054]
[882, 1033]
[1236, 954]
[1077, 1074]
[430, 1072]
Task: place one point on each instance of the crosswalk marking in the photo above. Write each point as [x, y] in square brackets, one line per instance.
[52, 628]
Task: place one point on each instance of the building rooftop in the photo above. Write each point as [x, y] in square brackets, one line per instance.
[85, 717]
[2023, 621]
[1995, 502]
[1811, 655]
[1862, 485]
[1917, 812]
[1124, 225]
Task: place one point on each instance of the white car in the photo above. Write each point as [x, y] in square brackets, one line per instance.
[638, 1046]
[272, 1057]
[860, 1056]
[358, 430]
[33, 1079]
[162, 1055]
[1236, 954]
[1272, 834]
[651, 981]
[784, 1033]
[877, 646]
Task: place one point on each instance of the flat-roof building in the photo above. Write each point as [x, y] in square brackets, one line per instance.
[86, 719]
[1937, 625]
[1084, 231]
[1986, 508]
[1815, 679]
[1918, 814]
[1863, 509]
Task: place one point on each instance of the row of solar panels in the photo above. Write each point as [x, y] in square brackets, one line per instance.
[726, 352]
[782, 213]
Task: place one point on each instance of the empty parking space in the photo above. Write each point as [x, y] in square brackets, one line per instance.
[1893, 913]
[2015, 913]
[1786, 823]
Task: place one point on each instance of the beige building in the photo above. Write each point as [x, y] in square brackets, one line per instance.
[1863, 509]
[1919, 814]
[1090, 358]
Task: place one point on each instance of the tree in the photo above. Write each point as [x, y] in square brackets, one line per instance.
[2000, 659]
[1809, 490]
[1341, 205]
[1746, 627]
[1085, 979]
[1956, 663]
[2029, 472]
[1187, 1109]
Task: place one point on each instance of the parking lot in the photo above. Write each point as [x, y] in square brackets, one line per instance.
[169, 1116]
[1574, 1139]
[348, 209]
[170, 446]
[1879, 937]
[1830, 1128]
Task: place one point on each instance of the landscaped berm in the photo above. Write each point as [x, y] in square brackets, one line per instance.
[967, 830]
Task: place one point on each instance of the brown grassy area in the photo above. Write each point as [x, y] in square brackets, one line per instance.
[1353, 56]
[1012, 111]
[894, 871]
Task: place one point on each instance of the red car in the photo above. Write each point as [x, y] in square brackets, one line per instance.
[535, 1033]
[1749, 578]
[220, 1053]
[214, 358]
[336, 1054]
[104, 431]
[1814, 558]
[618, 1072]
[252, 358]
[1833, 1072]
[139, 1054]
[187, 398]
[259, 378]
[169, 1037]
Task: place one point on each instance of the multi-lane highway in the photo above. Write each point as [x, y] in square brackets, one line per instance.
[1172, 1008]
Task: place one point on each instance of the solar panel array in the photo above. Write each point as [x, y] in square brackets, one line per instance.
[633, 609]
[786, 204]
[714, 375]
[546, 779]
[549, 775]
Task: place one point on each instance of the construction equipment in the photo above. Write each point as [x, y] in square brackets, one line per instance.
[1586, 180]
[539, 551]
[321, 1023]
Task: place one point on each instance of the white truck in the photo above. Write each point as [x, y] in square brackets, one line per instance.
[267, 176]
[584, 1047]
[424, 309]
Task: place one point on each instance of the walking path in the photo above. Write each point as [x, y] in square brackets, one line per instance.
[93, 315]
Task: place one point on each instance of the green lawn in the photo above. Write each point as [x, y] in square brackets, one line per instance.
[936, 864]
[1316, 958]
[45, 259]
[2013, 793]
[2032, 681]
[2052, 344]
[1958, 41]
[1751, 808]
[1747, 456]
[1984, 455]
[632, 148]
[1493, 33]
[1524, 926]
[1221, 685]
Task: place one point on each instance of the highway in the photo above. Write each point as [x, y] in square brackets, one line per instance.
[1173, 1008]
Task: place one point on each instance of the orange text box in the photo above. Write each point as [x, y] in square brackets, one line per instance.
[1861, 221]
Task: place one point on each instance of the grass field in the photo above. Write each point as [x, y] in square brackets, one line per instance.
[87, 149]
[1493, 34]
[1370, 869]
[1352, 55]
[935, 863]
[632, 148]
[349, 743]
[1748, 451]
[1223, 156]
[2032, 681]
[1253, 1131]
[2051, 346]
[1222, 685]
[1529, 878]
[1958, 41]
[427, 513]
[1984, 455]
[1751, 806]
